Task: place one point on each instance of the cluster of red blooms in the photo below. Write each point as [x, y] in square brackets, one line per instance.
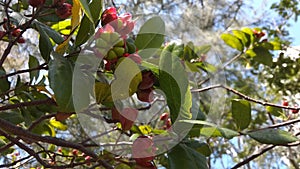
[294, 111]
[10, 28]
[112, 39]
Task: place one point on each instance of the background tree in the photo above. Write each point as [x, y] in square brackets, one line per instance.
[41, 117]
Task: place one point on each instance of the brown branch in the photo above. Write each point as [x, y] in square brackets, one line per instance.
[32, 103]
[252, 157]
[40, 67]
[26, 135]
[245, 97]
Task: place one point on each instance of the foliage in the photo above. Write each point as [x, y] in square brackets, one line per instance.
[99, 95]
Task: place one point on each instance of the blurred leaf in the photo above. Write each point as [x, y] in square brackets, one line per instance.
[263, 56]
[76, 14]
[63, 27]
[145, 129]
[244, 37]
[202, 50]
[276, 45]
[232, 41]
[127, 80]
[182, 156]
[273, 136]
[151, 35]
[60, 76]
[241, 113]
[274, 111]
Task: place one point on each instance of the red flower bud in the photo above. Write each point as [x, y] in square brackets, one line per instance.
[64, 11]
[36, 3]
[109, 15]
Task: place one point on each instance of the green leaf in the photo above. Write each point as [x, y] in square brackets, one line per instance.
[274, 111]
[263, 56]
[127, 80]
[202, 50]
[244, 37]
[174, 83]
[182, 156]
[58, 124]
[151, 36]
[86, 30]
[276, 45]
[273, 136]
[4, 83]
[60, 76]
[45, 44]
[241, 113]
[57, 38]
[232, 41]
[33, 63]
[211, 131]
[87, 26]
[13, 117]
[85, 7]
[202, 148]
[102, 92]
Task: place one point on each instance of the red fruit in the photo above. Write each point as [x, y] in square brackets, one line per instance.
[148, 80]
[87, 158]
[285, 103]
[168, 123]
[75, 152]
[59, 149]
[21, 40]
[36, 3]
[143, 151]
[164, 116]
[2, 34]
[59, 2]
[115, 114]
[127, 118]
[294, 111]
[64, 11]
[16, 32]
[145, 95]
[109, 15]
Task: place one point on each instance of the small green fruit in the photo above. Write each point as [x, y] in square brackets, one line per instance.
[131, 47]
[119, 51]
[111, 55]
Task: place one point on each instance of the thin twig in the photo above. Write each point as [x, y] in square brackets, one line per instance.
[244, 96]
[32, 103]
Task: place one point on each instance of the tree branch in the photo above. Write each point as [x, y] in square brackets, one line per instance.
[244, 97]
[40, 67]
[32, 103]
[26, 135]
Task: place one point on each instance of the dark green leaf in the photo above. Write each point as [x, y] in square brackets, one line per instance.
[4, 83]
[241, 113]
[85, 7]
[174, 83]
[60, 76]
[263, 56]
[273, 136]
[232, 41]
[57, 38]
[13, 117]
[45, 45]
[183, 156]
[202, 148]
[33, 63]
